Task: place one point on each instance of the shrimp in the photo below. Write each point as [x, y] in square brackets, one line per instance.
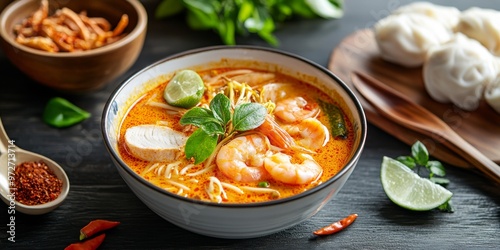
[310, 133]
[279, 137]
[276, 135]
[242, 159]
[295, 109]
[281, 168]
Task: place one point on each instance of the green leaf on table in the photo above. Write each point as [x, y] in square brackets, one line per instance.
[447, 207]
[408, 161]
[436, 168]
[420, 153]
[439, 180]
[60, 113]
[419, 159]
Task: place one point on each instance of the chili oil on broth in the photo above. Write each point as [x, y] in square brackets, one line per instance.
[331, 157]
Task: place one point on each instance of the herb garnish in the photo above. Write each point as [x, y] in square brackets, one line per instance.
[229, 18]
[61, 113]
[219, 122]
[419, 160]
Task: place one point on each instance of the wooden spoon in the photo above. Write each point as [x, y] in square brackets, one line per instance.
[403, 111]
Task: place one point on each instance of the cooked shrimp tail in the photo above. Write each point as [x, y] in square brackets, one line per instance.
[279, 137]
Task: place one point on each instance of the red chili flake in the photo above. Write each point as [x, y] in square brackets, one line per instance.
[35, 183]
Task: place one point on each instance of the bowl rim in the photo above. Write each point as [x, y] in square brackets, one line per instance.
[142, 19]
[347, 167]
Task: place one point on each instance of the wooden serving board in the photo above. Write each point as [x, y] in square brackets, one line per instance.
[481, 128]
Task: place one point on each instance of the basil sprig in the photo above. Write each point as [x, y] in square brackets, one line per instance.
[231, 17]
[218, 122]
[419, 160]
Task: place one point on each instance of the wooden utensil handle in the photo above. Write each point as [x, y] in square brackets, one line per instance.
[474, 156]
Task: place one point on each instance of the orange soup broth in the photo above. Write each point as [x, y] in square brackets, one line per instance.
[332, 157]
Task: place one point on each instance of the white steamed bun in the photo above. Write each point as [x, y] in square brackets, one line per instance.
[446, 15]
[458, 72]
[483, 26]
[492, 94]
[405, 39]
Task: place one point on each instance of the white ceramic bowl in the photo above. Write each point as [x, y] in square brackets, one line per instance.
[234, 221]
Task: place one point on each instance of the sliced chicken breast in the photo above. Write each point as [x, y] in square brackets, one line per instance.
[154, 143]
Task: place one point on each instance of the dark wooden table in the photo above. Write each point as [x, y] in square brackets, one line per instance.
[97, 191]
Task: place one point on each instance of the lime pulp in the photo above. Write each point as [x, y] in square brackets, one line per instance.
[185, 89]
[408, 190]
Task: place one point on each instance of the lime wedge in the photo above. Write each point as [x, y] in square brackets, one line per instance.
[185, 89]
[408, 190]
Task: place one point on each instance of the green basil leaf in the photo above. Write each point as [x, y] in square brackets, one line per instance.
[248, 116]
[207, 7]
[440, 181]
[197, 116]
[325, 9]
[246, 10]
[436, 168]
[447, 207]
[201, 15]
[420, 153]
[60, 113]
[168, 8]
[221, 108]
[408, 161]
[200, 146]
[227, 32]
[213, 128]
[301, 8]
[266, 32]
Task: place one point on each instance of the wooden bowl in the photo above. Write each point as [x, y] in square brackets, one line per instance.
[82, 71]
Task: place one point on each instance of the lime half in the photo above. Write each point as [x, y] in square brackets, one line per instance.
[408, 190]
[185, 89]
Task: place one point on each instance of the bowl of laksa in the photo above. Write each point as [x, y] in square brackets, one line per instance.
[234, 142]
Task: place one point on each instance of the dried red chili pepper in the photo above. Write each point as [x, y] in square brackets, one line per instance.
[90, 244]
[95, 227]
[337, 226]
[35, 183]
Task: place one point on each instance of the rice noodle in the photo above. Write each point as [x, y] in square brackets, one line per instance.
[177, 184]
[162, 105]
[232, 187]
[204, 170]
[212, 81]
[215, 194]
[274, 192]
[186, 168]
[150, 168]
